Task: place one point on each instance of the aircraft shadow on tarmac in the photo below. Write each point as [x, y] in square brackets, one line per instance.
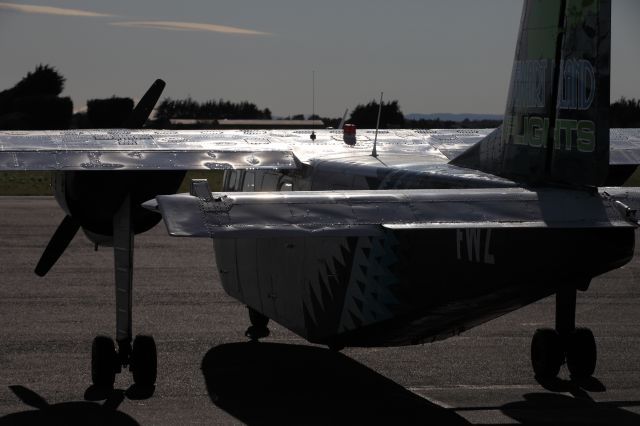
[68, 413]
[557, 409]
[267, 383]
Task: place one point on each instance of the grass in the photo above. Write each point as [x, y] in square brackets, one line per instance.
[634, 180]
[25, 183]
[39, 183]
[213, 176]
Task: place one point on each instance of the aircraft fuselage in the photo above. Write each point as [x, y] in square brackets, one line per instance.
[405, 286]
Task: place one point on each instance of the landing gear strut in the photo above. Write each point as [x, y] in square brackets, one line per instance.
[258, 328]
[141, 357]
[576, 346]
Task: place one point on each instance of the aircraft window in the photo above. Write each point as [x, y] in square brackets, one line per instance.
[249, 182]
[269, 182]
[231, 177]
[285, 185]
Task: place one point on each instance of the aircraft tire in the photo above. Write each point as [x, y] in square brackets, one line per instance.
[581, 353]
[547, 354]
[104, 360]
[144, 361]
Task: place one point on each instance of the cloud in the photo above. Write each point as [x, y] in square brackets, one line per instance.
[187, 26]
[159, 25]
[47, 10]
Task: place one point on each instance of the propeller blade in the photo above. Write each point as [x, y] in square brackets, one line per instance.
[142, 111]
[57, 245]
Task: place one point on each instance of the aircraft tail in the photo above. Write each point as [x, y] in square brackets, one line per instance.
[556, 123]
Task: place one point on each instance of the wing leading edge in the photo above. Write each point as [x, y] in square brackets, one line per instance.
[124, 149]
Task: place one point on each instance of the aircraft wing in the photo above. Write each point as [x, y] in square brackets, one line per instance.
[124, 149]
[357, 213]
[625, 146]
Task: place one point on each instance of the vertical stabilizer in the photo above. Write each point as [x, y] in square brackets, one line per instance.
[556, 124]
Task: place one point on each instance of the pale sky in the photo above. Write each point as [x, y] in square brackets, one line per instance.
[431, 55]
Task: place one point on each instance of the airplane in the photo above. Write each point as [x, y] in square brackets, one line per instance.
[376, 238]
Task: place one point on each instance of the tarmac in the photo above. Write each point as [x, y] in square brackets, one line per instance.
[209, 374]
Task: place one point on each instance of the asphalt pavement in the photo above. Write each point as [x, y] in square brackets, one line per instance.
[209, 374]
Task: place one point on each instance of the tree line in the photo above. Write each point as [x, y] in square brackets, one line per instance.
[35, 103]
[220, 109]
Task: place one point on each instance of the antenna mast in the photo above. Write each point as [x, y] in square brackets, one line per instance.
[313, 105]
[374, 153]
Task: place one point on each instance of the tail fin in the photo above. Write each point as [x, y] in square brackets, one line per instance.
[556, 123]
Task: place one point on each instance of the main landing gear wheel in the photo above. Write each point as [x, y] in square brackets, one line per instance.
[547, 354]
[258, 328]
[581, 353]
[144, 361]
[550, 348]
[104, 362]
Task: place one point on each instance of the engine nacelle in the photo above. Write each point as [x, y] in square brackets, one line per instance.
[93, 197]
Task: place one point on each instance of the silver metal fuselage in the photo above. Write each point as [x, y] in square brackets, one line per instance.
[405, 285]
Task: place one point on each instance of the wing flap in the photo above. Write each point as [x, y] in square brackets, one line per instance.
[354, 213]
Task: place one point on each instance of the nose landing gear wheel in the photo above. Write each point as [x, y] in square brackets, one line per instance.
[144, 361]
[581, 353]
[547, 354]
[104, 361]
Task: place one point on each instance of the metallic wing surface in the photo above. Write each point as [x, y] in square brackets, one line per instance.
[124, 149]
[362, 213]
[186, 150]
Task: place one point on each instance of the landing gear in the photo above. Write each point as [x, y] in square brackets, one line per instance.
[551, 348]
[141, 357]
[581, 353]
[144, 361]
[547, 353]
[106, 362]
[258, 328]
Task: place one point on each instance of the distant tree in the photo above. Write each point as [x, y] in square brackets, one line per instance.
[297, 117]
[33, 103]
[45, 80]
[331, 122]
[450, 124]
[365, 116]
[221, 109]
[625, 113]
[108, 113]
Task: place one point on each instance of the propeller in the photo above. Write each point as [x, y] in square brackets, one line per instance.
[57, 245]
[69, 226]
[142, 111]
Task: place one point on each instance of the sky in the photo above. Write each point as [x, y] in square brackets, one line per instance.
[432, 56]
